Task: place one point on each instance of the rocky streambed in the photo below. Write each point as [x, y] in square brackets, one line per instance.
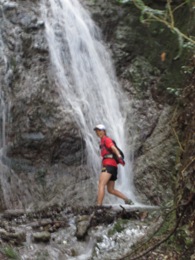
[63, 232]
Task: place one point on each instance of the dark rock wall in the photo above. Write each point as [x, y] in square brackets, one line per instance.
[145, 60]
[44, 159]
[35, 125]
[128, 37]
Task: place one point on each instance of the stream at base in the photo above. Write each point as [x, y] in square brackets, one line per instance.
[65, 233]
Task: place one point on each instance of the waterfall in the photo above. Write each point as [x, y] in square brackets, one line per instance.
[83, 72]
[8, 179]
[3, 60]
[5, 190]
[4, 185]
[2, 122]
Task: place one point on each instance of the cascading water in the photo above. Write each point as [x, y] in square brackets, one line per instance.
[5, 189]
[2, 102]
[8, 180]
[4, 186]
[2, 123]
[2, 128]
[83, 72]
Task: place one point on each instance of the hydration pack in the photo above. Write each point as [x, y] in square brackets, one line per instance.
[120, 151]
[112, 155]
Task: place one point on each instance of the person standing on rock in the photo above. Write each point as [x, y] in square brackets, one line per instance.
[108, 174]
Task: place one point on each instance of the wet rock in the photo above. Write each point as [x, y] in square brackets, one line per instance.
[82, 224]
[2, 256]
[41, 236]
[152, 170]
[10, 214]
[88, 221]
[16, 237]
[49, 225]
[9, 6]
[42, 223]
[141, 74]
[33, 136]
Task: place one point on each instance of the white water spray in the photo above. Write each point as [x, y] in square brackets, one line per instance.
[8, 180]
[2, 122]
[3, 60]
[84, 74]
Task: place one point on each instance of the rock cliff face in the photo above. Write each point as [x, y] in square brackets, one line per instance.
[45, 153]
[44, 157]
[145, 77]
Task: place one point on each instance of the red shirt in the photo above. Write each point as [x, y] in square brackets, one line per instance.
[106, 142]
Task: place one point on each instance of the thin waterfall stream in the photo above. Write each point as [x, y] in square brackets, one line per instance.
[8, 198]
[2, 123]
[2, 101]
[4, 107]
[83, 72]
[8, 179]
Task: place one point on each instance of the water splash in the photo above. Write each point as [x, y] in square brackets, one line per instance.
[84, 73]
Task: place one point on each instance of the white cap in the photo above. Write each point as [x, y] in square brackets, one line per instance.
[100, 127]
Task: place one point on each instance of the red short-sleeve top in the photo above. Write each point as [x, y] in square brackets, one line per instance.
[105, 144]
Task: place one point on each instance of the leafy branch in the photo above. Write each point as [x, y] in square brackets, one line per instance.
[165, 17]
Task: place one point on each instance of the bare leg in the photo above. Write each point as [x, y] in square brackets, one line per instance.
[111, 190]
[103, 180]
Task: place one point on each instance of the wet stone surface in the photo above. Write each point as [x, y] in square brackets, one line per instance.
[62, 232]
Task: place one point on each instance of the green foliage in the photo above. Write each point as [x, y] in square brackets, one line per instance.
[166, 17]
[187, 69]
[168, 224]
[118, 227]
[184, 236]
[10, 253]
[173, 91]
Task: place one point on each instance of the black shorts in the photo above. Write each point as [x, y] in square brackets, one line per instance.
[111, 170]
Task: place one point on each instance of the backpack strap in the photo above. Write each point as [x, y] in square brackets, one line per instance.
[108, 156]
[111, 155]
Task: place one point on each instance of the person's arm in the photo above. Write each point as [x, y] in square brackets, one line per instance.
[116, 151]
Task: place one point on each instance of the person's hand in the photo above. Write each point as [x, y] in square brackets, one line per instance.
[121, 161]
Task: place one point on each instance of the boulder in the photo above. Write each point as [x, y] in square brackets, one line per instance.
[41, 237]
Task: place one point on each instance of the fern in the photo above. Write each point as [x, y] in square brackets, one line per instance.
[10, 253]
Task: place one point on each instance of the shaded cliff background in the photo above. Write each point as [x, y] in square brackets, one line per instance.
[159, 75]
[44, 153]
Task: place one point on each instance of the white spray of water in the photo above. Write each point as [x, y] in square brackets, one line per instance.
[3, 108]
[84, 74]
[3, 117]
[2, 121]
[7, 177]
[3, 60]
